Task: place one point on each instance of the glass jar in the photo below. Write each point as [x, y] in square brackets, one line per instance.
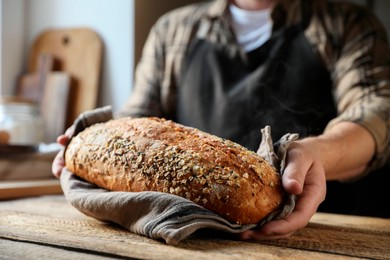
[20, 119]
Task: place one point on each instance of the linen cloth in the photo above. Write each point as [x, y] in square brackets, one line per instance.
[161, 215]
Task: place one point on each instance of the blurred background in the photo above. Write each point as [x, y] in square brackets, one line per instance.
[122, 26]
[68, 56]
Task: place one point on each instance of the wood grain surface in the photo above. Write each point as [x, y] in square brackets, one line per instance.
[49, 221]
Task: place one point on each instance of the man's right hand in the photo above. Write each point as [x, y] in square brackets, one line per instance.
[59, 162]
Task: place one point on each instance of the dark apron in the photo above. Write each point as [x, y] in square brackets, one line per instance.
[282, 84]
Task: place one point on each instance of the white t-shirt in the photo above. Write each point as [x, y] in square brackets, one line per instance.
[252, 28]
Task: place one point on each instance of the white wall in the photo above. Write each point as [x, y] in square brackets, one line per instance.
[22, 20]
[12, 43]
[112, 20]
[1, 49]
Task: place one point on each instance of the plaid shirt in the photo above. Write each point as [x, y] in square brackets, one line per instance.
[349, 40]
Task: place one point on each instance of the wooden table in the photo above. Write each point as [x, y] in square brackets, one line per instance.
[47, 227]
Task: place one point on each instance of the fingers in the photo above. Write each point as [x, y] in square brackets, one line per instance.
[58, 164]
[70, 131]
[306, 205]
[298, 164]
[304, 176]
[64, 139]
[305, 208]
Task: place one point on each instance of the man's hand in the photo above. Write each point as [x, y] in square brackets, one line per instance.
[58, 162]
[304, 176]
[342, 152]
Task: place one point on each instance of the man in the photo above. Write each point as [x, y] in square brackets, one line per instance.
[316, 68]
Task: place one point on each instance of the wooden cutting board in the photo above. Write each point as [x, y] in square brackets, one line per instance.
[31, 85]
[55, 103]
[50, 90]
[79, 52]
[20, 189]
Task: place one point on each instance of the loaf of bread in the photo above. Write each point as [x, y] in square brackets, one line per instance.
[152, 154]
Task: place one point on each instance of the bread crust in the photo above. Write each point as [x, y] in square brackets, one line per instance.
[152, 154]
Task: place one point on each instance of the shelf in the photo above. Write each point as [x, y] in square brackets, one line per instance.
[19, 189]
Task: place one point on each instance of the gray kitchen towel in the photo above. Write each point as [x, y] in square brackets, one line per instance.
[155, 214]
